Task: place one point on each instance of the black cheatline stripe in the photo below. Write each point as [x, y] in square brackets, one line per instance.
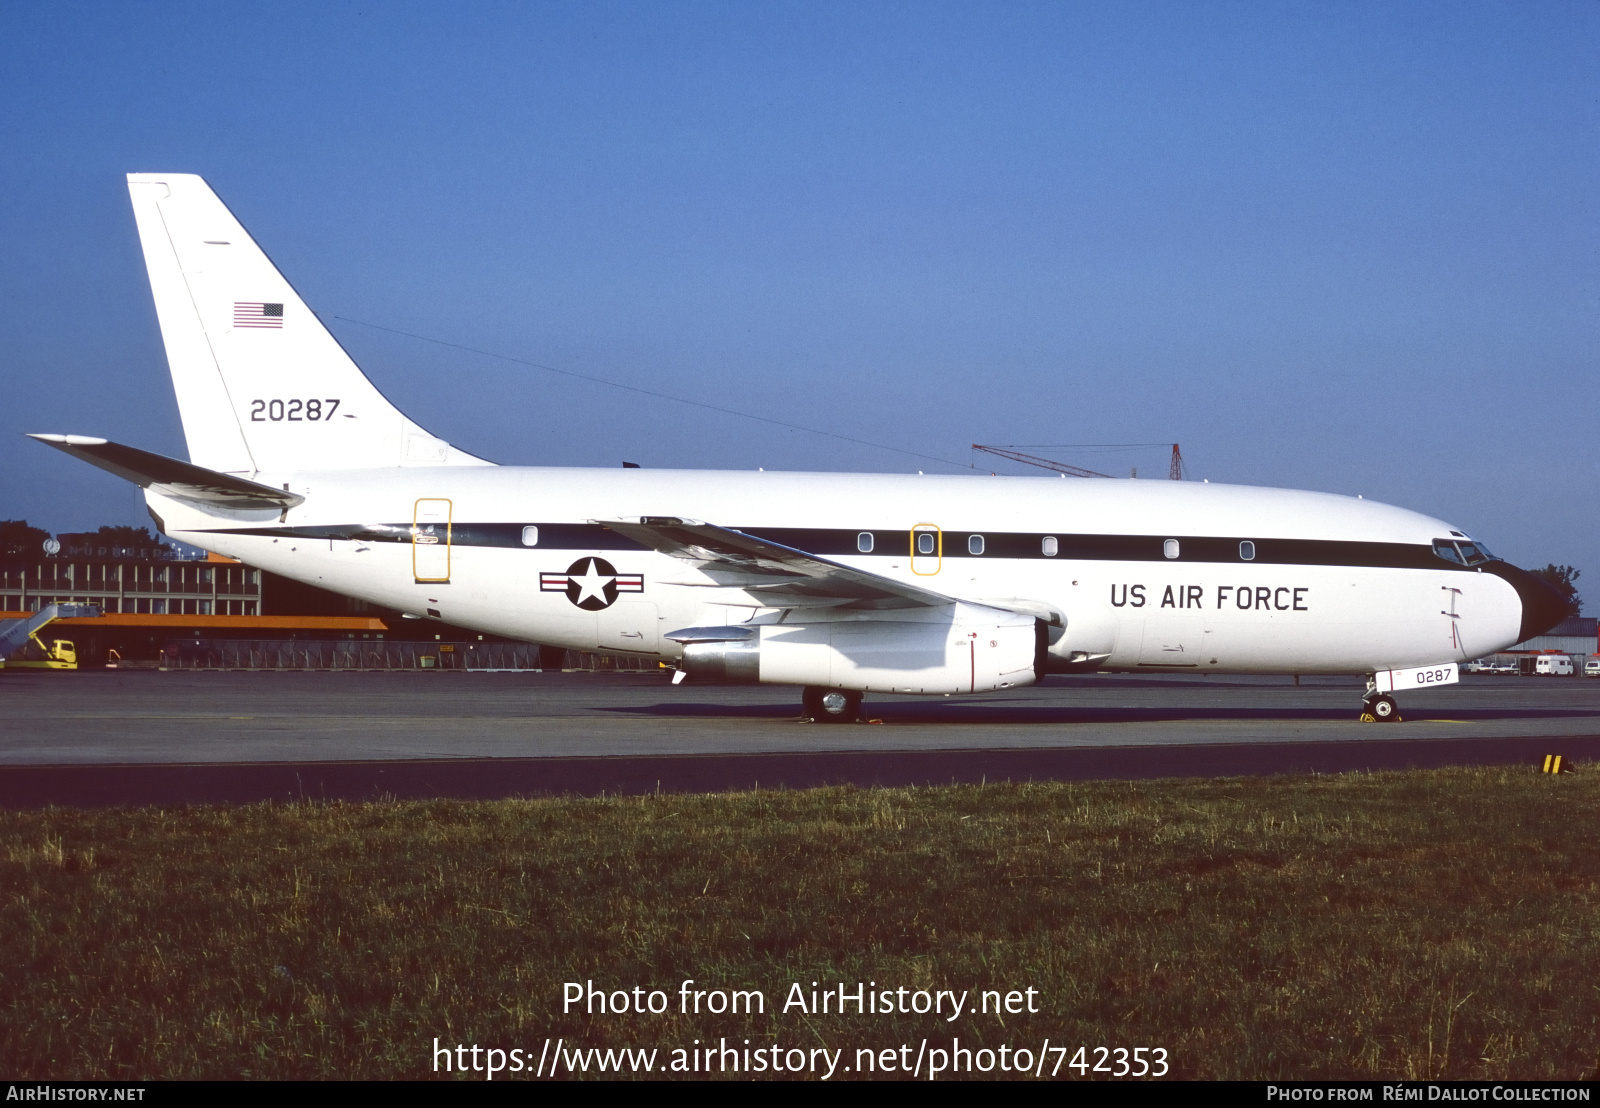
[838, 542]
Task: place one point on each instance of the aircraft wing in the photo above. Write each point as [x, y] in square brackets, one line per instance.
[172, 477]
[778, 576]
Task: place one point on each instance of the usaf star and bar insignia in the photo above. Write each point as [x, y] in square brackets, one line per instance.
[591, 583]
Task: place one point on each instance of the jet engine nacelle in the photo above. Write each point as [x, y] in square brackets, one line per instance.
[978, 651]
[1073, 643]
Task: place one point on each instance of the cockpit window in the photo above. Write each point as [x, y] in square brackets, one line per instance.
[1463, 553]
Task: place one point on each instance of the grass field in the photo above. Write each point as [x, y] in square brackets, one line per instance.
[1400, 925]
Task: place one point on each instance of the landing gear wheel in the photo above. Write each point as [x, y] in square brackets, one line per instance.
[831, 705]
[1382, 709]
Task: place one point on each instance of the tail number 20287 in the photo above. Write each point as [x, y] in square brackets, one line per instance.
[292, 411]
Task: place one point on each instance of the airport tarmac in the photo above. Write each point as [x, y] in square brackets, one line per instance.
[149, 737]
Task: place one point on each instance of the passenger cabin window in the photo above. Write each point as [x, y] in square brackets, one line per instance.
[1247, 551]
[924, 542]
[1050, 546]
[974, 544]
[864, 542]
[1170, 548]
[530, 536]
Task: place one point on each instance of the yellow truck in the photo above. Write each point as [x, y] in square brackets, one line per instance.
[39, 654]
[22, 648]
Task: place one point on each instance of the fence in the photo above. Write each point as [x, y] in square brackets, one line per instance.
[348, 655]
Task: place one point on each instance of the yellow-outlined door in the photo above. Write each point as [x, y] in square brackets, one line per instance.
[927, 549]
[430, 541]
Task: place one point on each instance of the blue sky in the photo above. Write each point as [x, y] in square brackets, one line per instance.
[1340, 246]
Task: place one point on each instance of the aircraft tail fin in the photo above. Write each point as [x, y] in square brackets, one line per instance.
[261, 383]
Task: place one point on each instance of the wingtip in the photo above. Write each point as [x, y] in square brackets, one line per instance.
[70, 440]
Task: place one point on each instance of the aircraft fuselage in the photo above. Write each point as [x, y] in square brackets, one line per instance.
[1144, 575]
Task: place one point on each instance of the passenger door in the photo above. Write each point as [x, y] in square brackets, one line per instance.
[430, 541]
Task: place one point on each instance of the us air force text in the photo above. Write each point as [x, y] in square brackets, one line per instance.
[1246, 598]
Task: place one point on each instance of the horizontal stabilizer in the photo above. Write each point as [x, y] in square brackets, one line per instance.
[171, 477]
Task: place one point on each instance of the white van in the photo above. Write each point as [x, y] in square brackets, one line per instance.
[1591, 668]
[1553, 665]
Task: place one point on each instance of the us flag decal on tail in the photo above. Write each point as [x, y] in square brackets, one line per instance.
[257, 315]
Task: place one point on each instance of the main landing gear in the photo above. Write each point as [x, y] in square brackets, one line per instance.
[831, 705]
[1377, 707]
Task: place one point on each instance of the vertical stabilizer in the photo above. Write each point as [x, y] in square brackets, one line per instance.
[261, 383]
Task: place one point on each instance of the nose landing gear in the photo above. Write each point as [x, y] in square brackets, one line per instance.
[1377, 707]
[1380, 709]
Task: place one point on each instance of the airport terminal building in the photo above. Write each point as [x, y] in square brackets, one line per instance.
[132, 581]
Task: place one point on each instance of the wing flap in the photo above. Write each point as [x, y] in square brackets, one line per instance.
[777, 576]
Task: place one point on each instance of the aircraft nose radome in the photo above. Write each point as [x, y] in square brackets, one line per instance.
[1543, 605]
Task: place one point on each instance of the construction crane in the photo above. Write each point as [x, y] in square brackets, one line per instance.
[1175, 471]
[1042, 463]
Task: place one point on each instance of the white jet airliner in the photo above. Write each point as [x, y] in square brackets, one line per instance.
[841, 584]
